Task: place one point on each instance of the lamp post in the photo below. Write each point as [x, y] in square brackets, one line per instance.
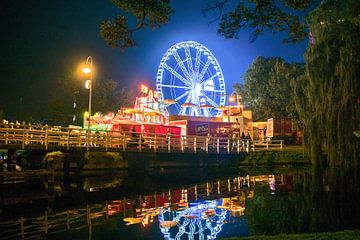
[233, 97]
[88, 69]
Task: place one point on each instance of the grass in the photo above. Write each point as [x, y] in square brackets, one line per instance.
[342, 235]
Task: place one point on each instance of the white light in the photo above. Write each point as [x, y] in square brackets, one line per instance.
[198, 89]
[87, 84]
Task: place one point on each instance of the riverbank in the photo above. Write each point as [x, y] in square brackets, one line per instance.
[341, 235]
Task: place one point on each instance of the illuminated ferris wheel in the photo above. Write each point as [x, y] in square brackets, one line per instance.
[190, 75]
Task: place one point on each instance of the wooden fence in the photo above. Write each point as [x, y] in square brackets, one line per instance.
[63, 138]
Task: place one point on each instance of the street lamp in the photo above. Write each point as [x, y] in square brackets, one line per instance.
[88, 69]
[233, 97]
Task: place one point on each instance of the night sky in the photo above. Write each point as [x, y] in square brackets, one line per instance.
[45, 40]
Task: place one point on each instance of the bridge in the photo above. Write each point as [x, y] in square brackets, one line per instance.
[54, 138]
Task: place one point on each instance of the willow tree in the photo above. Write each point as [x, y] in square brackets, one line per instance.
[328, 97]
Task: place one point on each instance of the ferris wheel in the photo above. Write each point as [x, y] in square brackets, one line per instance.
[190, 75]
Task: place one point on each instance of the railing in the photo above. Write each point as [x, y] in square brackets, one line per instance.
[60, 138]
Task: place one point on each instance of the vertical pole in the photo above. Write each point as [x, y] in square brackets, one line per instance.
[106, 211]
[195, 144]
[217, 145]
[281, 144]
[46, 222]
[207, 145]
[68, 139]
[23, 138]
[22, 228]
[123, 141]
[247, 145]
[155, 199]
[182, 143]
[88, 219]
[124, 206]
[238, 146]
[267, 144]
[106, 140]
[196, 193]
[90, 232]
[228, 145]
[140, 139]
[155, 143]
[168, 143]
[87, 139]
[67, 220]
[46, 137]
[228, 112]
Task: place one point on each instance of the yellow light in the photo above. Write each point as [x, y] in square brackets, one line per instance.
[144, 89]
[232, 99]
[86, 114]
[86, 70]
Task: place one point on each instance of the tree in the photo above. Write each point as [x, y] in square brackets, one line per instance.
[267, 87]
[147, 13]
[328, 97]
[108, 96]
[263, 15]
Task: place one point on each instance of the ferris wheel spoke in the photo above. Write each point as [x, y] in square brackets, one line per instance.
[176, 74]
[203, 71]
[181, 96]
[188, 59]
[214, 104]
[197, 60]
[173, 86]
[181, 64]
[207, 112]
[213, 90]
[183, 110]
[209, 79]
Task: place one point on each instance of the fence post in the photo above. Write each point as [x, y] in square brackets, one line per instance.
[267, 143]
[106, 211]
[106, 140]
[67, 220]
[155, 143]
[168, 140]
[123, 141]
[247, 145]
[140, 139]
[228, 145]
[238, 146]
[68, 139]
[23, 138]
[195, 144]
[182, 143]
[22, 228]
[46, 222]
[88, 219]
[217, 145]
[281, 144]
[46, 137]
[207, 145]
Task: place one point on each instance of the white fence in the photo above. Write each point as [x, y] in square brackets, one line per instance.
[58, 138]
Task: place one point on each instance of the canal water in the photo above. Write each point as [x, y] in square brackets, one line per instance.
[182, 204]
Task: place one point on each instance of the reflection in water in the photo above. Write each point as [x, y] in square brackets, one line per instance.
[202, 219]
[291, 202]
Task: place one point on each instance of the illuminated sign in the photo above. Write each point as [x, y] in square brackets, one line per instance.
[202, 129]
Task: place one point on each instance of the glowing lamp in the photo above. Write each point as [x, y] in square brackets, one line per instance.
[232, 99]
[86, 70]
